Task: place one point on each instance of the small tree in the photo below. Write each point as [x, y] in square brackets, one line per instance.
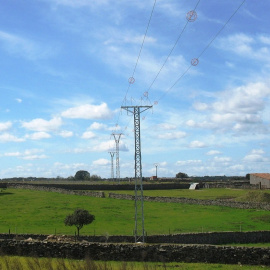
[95, 177]
[79, 218]
[82, 175]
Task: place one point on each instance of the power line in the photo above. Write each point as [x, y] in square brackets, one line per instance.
[209, 44]
[131, 79]
[172, 49]
[203, 51]
[191, 17]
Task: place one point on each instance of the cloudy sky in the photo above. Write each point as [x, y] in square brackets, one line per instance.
[66, 66]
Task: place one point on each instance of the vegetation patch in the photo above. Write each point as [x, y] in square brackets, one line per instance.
[26, 263]
[257, 197]
[263, 218]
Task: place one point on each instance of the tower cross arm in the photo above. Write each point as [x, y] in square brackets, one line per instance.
[128, 108]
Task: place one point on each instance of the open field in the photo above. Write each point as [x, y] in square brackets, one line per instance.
[24, 263]
[203, 194]
[40, 212]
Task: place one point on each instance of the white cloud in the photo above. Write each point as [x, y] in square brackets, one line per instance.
[163, 164]
[256, 155]
[251, 47]
[88, 111]
[197, 144]
[101, 162]
[6, 137]
[222, 159]
[166, 126]
[172, 135]
[213, 152]
[239, 43]
[66, 134]
[38, 136]
[58, 166]
[34, 157]
[200, 106]
[29, 154]
[43, 125]
[12, 154]
[88, 135]
[5, 126]
[110, 146]
[19, 100]
[191, 123]
[265, 39]
[257, 151]
[239, 168]
[32, 151]
[239, 109]
[97, 126]
[188, 162]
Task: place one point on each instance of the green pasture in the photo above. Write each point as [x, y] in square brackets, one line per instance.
[203, 194]
[40, 212]
[26, 263]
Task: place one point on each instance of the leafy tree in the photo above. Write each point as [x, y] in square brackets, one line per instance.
[82, 175]
[79, 218]
[181, 175]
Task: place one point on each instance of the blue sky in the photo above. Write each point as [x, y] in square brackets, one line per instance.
[65, 68]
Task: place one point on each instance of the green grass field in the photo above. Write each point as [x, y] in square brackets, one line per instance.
[28, 211]
[25, 263]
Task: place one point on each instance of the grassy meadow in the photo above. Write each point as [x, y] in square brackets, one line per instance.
[26, 263]
[40, 212]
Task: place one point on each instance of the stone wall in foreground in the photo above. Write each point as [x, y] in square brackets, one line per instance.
[139, 252]
[211, 238]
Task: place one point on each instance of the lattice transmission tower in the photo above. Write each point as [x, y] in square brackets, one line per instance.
[117, 140]
[112, 169]
[139, 232]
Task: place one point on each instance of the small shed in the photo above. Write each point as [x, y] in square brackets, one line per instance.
[194, 186]
[261, 179]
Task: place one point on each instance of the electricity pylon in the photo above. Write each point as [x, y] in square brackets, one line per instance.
[156, 165]
[112, 170]
[139, 232]
[117, 139]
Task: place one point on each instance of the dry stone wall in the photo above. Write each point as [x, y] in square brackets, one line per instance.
[226, 203]
[99, 194]
[139, 252]
[106, 187]
[211, 238]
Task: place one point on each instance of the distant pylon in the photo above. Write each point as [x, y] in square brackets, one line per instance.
[139, 232]
[156, 165]
[112, 170]
[117, 140]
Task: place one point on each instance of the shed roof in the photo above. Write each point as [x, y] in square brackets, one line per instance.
[262, 175]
